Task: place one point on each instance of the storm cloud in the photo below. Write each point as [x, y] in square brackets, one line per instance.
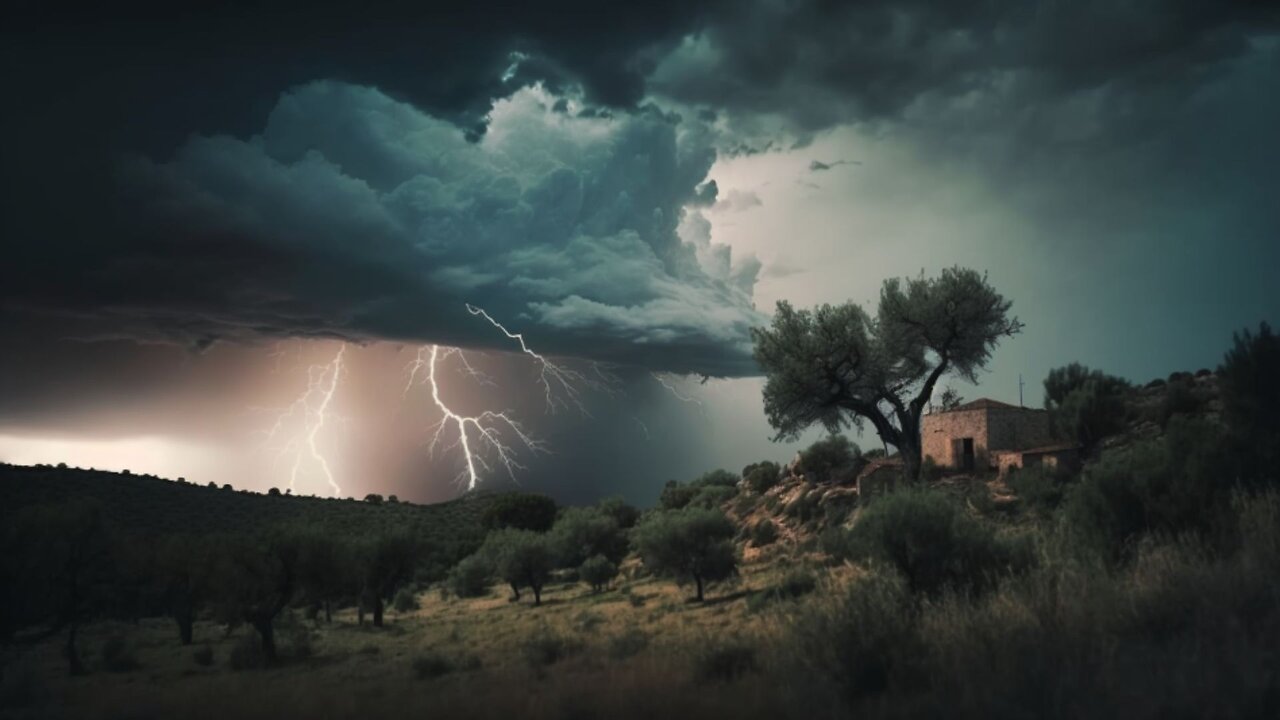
[357, 216]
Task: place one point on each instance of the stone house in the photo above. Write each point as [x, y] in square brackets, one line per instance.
[988, 434]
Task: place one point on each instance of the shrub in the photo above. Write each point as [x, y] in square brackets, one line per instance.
[522, 558]
[431, 665]
[1250, 388]
[824, 459]
[1041, 489]
[1085, 405]
[764, 533]
[470, 577]
[927, 538]
[1179, 399]
[727, 660]
[405, 601]
[373, 499]
[247, 654]
[797, 582]
[118, 656]
[627, 643]
[597, 572]
[547, 647]
[203, 656]
[522, 511]
[622, 513]
[583, 532]
[762, 476]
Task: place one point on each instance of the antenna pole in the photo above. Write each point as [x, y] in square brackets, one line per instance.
[1020, 390]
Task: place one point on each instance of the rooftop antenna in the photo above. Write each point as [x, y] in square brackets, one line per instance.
[1020, 390]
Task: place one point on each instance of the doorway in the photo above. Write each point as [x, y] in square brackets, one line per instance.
[966, 457]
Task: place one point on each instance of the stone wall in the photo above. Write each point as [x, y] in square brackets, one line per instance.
[992, 428]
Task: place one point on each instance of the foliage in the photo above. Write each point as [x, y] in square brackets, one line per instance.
[764, 532]
[624, 514]
[821, 461]
[1085, 405]
[470, 577]
[1172, 485]
[627, 643]
[762, 476]
[385, 562]
[950, 399]
[582, 532]
[718, 477]
[547, 647]
[1250, 391]
[727, 660]
[522, 511]
[431, 665]
[522, 558]
[1041, 489]
[691, 545]
[405, 601]
[836, 366]
[597, 571]
[929, 539]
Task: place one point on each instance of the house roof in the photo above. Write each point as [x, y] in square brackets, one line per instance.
[1058, 447]
[988, 404]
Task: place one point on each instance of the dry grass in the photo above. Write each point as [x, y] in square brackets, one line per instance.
[362, 671]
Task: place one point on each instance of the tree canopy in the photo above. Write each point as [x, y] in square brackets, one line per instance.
[838, 366]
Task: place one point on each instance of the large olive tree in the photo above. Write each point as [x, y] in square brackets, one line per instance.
[838, 366]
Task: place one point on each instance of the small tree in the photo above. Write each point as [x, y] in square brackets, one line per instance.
[597, 571]
[326, 571]
[256, 578]
[581, 532]
[624, 514]
[692, 545]
[470, 577]
[523, 511]
[522, 558]
[1250, 388]
[1085, 405]
[762, 476]
[821, 461]
[386, 563]
[185, 567]
[837, 366]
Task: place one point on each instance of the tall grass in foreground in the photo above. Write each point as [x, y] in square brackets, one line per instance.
[1181, 631]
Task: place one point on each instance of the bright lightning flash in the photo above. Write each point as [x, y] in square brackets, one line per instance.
[665, 381]
[561, 385]
[479, 435]
[312, 410]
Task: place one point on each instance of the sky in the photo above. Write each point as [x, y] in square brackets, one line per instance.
[233, 233]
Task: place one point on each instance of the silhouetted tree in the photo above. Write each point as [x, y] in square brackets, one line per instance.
[581, 532]
[184, 566]
[692, 545]
[256, 578]
[824, 458]
[762, 475]
[58, 556]
[1085, 405]
[326, 571]
[624, 514]
[597, 571]
[522, 558]
[386, 563]
[523, 511]
[837, 366]
[1250, 389]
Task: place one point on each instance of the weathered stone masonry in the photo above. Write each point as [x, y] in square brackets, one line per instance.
[965, 438]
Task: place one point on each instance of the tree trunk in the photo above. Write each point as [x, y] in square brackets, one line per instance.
[328, 612]
[73, 655]
[267, 631]
[909, 449]
[515, 593]
[537, 595]
[697, 579]
[360, 612]
[186, 622]
[377, 611]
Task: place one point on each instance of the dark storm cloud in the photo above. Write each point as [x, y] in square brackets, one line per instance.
[355, 215]
[816, 64]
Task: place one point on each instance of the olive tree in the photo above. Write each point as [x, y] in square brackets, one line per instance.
[255, 579]
[522, 558]
[386, 562]
[693, 544]
[839, 366]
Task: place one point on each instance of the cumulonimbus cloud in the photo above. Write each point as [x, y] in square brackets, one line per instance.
[352, 214]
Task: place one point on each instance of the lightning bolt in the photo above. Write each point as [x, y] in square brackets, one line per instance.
[561, 386]
[665, 382]
[312, 409]
[476, 435]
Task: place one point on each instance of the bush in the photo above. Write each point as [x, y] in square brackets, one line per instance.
[762, 476]
[247, 654]
[1179, 399]
[470, 577]
[405, 601]
[826, 458]
[431, 665]
[764, 533]
[727, 660]
[1085, 405]
[630, 642]
[597, 572]
[373, 499]
[692, 545]
[622, 513]
[927, 538]
[118, 656]
[203, 656]
[583, 532]
[522, 511]
[547, 647]
[1041, 489]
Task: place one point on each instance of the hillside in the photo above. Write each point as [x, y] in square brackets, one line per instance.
[148, 505]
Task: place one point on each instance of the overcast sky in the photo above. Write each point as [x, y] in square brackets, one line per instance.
[204, 203]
